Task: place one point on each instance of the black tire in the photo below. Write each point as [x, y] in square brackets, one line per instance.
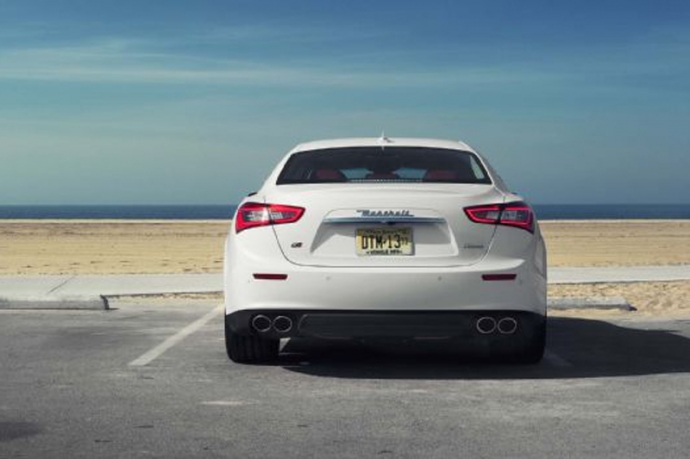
[535, 345]
[249, 348]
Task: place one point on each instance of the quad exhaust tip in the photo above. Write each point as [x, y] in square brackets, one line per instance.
[264, 324]
[507, 325]
[261, 323]
[486, 325]
[282, 324]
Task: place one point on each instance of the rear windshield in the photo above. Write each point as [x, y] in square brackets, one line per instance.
[392, 164]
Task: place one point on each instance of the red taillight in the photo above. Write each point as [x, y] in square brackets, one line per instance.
[484, 214]
[253, 214]
[517, 214]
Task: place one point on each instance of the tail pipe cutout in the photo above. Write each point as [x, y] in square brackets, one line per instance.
[488, 325]
[263, 324]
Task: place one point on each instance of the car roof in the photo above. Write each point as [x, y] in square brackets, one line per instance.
[382, 141]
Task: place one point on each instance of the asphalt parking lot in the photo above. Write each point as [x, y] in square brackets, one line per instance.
[151, 378]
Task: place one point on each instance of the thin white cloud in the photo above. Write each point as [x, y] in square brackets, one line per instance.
[147, 61]
[125, 61]
[282, 33]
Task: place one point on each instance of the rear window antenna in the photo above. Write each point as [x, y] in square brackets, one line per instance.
[383, 140]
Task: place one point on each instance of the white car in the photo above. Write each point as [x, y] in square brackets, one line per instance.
[385, 238]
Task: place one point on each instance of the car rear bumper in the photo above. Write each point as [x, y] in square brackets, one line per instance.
[329, 324]
[392, 289]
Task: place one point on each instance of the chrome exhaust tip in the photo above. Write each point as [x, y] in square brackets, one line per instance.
[282, 324]
[261, 323]
[486, 325]
[507, 326]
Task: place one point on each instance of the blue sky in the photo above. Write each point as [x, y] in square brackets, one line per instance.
[172, 102]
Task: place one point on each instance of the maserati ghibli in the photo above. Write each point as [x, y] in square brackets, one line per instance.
[389, 238]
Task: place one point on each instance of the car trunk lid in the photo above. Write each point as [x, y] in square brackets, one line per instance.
[384, 225]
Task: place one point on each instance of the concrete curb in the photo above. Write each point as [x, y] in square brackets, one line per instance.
[48, 302]
[618, 274]
[595, 302]
[100, 303]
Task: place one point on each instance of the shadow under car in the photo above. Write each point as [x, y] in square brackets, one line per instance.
[576, 348]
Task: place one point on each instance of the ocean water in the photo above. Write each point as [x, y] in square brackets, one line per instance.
[169, 212]
[219, 212]
[612, 211]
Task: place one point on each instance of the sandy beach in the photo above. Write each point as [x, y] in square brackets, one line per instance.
[30, 247]
[111, 246]
[181, 246]
[617, 242]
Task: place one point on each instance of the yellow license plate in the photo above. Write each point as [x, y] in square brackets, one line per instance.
[384, 241]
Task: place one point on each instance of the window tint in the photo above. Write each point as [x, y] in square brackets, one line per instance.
[392, 164]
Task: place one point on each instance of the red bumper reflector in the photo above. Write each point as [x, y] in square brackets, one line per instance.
[263, 276]
[498, 277]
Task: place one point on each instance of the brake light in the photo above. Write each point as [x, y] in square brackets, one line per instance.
[254, 214]
[516, 214]
[484, 214]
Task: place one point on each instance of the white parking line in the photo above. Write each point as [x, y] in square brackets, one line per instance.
[556, 360]
[152, 354]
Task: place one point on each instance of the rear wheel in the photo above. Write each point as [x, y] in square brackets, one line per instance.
[249, 348]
